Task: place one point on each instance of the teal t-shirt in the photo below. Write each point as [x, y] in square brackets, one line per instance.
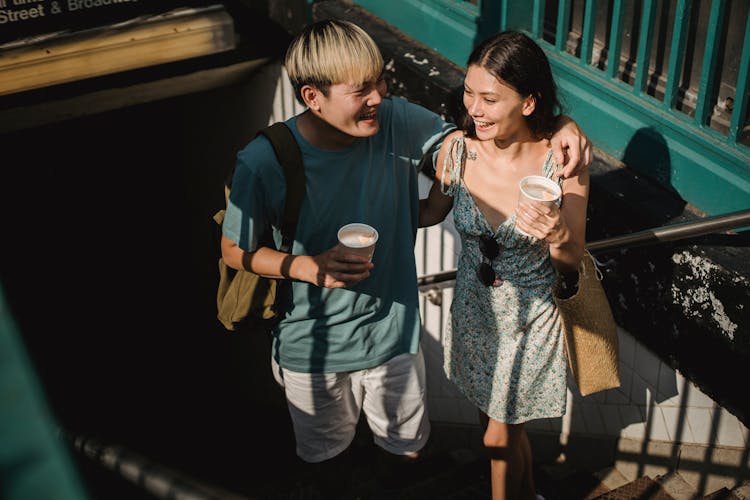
[374, 181]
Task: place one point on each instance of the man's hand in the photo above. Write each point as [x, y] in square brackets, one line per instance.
[339, 268]
[571, 148]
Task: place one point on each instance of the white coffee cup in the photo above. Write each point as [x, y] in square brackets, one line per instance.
[359, 238]
[539, 188]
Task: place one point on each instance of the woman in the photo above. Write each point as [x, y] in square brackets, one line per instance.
[504, 343]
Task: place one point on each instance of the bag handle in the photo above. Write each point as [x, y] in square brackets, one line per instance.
[290, 157]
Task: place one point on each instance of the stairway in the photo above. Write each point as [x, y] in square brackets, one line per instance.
[458, 474]
[462, 475]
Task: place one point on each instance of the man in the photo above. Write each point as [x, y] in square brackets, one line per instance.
[349, 338]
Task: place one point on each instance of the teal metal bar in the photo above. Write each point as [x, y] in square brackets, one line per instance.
[449, 28]
[704, 105]
[503, 21]
[309, 10]
[589, 28]
[739, 113]
[537, 19]
[677, 51]
[563, 25]
[615, 40]
[707, 168]
[645, 38]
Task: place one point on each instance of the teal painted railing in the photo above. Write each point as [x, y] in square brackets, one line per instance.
[659, 85]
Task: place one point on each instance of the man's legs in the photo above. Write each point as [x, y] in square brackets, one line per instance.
[325, 408]
[324, 414]
[395, 408]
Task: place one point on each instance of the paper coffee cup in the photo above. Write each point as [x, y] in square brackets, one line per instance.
[359, 238]
[539, 188]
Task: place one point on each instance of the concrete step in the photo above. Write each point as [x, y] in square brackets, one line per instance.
[642, 488]
[563, 481]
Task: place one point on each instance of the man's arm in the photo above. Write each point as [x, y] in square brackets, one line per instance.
[334, 268]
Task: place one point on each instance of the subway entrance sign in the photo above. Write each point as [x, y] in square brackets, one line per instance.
[20, 19]
[62, 41]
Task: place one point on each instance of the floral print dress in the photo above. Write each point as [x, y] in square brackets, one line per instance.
[504, 342]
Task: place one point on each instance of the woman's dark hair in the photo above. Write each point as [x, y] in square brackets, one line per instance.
[517, 61]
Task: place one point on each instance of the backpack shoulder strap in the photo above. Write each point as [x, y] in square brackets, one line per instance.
[290, 157]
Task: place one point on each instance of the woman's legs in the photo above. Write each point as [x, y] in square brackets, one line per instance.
[528, 489]
[510, 461]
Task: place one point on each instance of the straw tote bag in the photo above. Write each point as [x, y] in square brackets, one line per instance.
[590, 330]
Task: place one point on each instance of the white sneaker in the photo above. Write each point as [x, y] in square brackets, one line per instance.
[539, 497]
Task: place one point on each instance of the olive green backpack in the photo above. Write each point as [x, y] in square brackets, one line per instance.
[245, 300]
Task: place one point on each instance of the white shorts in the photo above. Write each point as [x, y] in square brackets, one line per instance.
[325, 407]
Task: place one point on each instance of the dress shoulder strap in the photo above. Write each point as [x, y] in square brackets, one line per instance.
[550, 165]
[549, 168]
[453, 165]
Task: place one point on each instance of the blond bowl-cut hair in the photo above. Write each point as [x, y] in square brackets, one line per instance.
[329, 52]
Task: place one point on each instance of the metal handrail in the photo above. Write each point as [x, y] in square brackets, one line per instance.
[159, 480]
[662, 234]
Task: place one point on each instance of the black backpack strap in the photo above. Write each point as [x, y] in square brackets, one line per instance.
[290, 158]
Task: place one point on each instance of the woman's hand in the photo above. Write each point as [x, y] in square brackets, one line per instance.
[539, 219]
